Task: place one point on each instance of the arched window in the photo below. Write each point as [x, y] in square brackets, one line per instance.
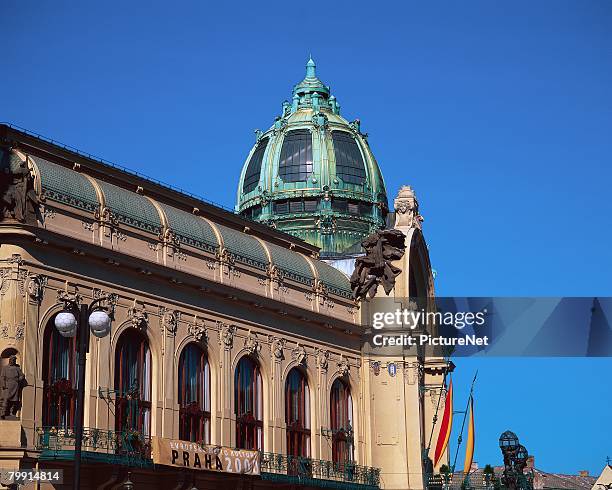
[341, 408]
[133, 383]
[349, 162]
[297, 414]
[59, 378]
[248, 405]
[251, 176]
[194, 395]
[295, 164]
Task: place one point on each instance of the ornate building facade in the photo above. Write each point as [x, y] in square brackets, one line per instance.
[225, 332]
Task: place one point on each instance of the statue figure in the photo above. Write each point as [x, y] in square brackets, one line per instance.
[11, 381]
[18, 199]
[381, 248]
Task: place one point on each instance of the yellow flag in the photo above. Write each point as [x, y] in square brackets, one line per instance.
[469, 448]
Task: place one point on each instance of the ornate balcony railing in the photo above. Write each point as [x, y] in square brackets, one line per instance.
[128, 448]
[318, 473]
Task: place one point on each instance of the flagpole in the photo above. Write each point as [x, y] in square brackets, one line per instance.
[460, 438]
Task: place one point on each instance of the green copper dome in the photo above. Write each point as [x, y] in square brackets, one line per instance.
[313, 175]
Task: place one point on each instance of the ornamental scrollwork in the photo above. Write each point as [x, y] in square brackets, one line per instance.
[299, 355]
[275, 275]
[251, 344]
[35, 286]
[323, 359]
[277, 346]
[106, 217]
[169, 320]
[4, 283]
[320, 120]
[139, 318]
[108, 301]
[327, 224]
[198, 331]
[226, 335]
[66, 297]
[343, 366]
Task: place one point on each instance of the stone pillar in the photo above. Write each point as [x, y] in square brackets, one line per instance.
[226, 415]
[274, 440]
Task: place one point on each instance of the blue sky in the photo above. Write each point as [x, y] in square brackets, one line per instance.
[499, 114]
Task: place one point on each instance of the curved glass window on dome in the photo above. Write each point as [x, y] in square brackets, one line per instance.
[251, 176]
[295, 163]
[349, 162]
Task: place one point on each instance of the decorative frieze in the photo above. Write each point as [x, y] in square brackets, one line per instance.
[12, 332]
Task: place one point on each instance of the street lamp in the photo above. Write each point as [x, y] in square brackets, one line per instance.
[75, 317]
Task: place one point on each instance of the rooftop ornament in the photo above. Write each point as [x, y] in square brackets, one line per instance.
[515, 461]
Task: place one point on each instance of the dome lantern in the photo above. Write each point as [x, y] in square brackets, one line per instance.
[312, 174]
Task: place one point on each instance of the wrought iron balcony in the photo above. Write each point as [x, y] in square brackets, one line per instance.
[318, 473]
[128, 448]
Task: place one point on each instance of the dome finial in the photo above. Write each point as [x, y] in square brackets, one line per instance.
[310, 68]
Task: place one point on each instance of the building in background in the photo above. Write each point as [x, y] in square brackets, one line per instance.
[227, 328]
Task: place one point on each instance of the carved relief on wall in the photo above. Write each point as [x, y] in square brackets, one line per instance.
[169, 320]
[299, 355]
[407, 209]
[323, 359]
[138, 316]
[12, 332]
[251, 344]
[277, 346]
[226, 335]
[197, 330]
[18, 198]
[35, 285]
[343, 366]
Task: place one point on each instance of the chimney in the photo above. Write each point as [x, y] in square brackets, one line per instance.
[583, 473]
[531, 462]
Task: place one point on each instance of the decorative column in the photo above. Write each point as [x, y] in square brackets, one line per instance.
[276, 420]
[227, 416]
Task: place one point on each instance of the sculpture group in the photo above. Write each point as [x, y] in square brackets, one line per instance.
[381, 248]
[18, 198]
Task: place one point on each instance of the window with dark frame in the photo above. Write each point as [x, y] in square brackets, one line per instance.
[248, 405]
[133, 383]
[194, 395]
[297, 414]
[295, 164]
[251, 176]
[341, 415]
[59, 379]
[349, 161]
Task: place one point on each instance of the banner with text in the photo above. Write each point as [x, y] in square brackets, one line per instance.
[174, 452]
